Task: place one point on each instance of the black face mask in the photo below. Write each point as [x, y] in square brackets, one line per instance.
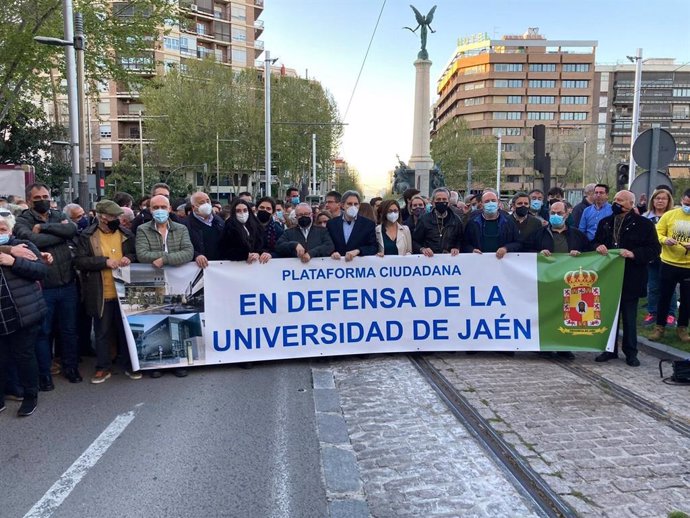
[304, 221]
[521, 212]
[616, 208]
[441, 207]
[263, 216]
[114, 225]
[42, 206]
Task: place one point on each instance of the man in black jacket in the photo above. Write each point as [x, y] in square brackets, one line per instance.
[304, 241]
[352, 236]
[558, 237]
[102, 248]
[145, 215]
[439, 231]
[51, 231]
[637, 241]
[205, 229]
[491, 230]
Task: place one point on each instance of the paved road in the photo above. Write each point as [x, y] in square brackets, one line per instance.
[221, 442]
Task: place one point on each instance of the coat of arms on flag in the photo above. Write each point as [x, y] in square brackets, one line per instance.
[581, 303]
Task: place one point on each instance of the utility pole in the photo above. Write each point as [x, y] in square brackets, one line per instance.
[498, 165]
[636, 110]
[584, 161]
[141, 150]
[313, 163]
[469, 177]
[267, 120]
[79, 44]
[72, 97]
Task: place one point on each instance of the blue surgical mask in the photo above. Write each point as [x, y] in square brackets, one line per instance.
[535, 204]
[556, 220]
[429, 206]
[279, 214]
[4, 239]
[161, 215]
[491, 207]
[686, 209]
[295, 200]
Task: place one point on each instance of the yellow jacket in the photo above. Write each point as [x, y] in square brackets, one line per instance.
[675, 224]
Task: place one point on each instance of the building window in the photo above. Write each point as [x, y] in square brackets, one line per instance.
[104, 108]
[576, 84]
[201, 28]
[574, 99]
[508, 83]
[514, 99]
[222, 31]
[542, 67]
[478, 69]
[513, 178]
[681, 92]
[540, 116]
[576, 67]
[106, 153]
[169, 64]
[510, 147]
[106, 131]
[507, 115]
[473, 101]
[508, 67]
[541, 99]
[239, 56]
[511, 162]
[238, 12]
[542, 83]
[171, 43]
[573, 116]
[506, 132]
[239, 34]
[475, 86]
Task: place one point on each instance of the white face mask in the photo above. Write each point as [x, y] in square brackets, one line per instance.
[392, 216]
[205, 209]
[243, 217]
[352, 211]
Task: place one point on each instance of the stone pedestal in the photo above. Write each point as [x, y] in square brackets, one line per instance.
[420, 160]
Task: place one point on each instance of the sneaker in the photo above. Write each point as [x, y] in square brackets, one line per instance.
[649, 320]
[133, 375]
[27, 407]
[671, 321]
[100, 377]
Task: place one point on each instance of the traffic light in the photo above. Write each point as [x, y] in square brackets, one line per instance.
[100, 179]
[539, 136]
[622, 176]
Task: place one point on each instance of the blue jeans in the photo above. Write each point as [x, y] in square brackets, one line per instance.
[653, 290]
[62, 308]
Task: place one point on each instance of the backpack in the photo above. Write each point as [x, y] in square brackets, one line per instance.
[681, 372]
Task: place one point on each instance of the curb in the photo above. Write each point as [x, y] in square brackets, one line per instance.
[344, 488]
[661, 351]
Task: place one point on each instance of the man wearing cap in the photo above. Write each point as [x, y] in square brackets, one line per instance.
[101, 248]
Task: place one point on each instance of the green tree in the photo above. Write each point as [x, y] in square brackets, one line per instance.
[119, 36]
[26, 137]
[190, 109]
[348, 180]
[126, 176]
[454, 144]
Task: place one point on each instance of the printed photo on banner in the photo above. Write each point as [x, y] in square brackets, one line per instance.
[164, 314]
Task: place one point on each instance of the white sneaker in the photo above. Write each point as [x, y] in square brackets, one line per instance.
[133, 375]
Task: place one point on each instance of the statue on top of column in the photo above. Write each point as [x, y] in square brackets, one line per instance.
[423, 22]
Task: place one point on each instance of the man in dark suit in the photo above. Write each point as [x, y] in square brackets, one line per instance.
[205, 229]
[352, 236]
[305, 240]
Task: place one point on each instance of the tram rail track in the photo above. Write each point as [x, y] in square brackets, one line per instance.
[630, 398]
[527, 481]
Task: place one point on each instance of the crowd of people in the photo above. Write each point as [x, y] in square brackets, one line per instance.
[57, 287]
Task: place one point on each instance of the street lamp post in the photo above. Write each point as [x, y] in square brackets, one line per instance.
[636, 110]
[498, 165]
[72, 98]
[267, 118]
[313, 163]
[141, 151]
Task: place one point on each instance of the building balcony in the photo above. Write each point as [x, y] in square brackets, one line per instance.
[258, 28]
[259, 44]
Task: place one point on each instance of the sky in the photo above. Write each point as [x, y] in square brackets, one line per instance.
[327, 40]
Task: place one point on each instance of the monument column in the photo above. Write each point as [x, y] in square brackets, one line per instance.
[421, 160]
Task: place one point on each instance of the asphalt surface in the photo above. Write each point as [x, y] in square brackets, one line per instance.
[222, 442]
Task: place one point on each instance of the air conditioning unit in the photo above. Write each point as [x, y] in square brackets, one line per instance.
[194, 7]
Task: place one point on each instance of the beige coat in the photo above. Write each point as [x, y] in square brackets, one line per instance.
[403, 241]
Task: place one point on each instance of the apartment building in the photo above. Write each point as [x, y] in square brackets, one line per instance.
[508, 85]
[664, 101]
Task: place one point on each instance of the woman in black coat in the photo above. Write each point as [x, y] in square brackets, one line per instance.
[22, 309]
[243, 236]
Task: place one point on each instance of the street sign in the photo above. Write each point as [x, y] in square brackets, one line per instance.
[646, 182]
[643, 149]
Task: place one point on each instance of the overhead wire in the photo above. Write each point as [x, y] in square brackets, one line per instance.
[366, 54]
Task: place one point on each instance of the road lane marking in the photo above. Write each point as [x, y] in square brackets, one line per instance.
[59, 491]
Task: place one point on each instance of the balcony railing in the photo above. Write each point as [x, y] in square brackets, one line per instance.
[259, 44]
